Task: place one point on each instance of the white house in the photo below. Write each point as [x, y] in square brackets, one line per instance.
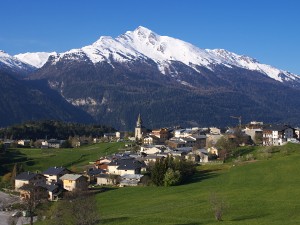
[277, 135]
[105, 179]
[150, 149]
[130, 180]
[126, 166]
[53, 174]
[29, 178]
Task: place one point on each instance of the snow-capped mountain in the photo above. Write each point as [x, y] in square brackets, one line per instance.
[13, 65]
[170, 82]
[144, 44]
[36, 59]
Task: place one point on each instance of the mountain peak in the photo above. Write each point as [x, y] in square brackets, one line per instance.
[3, 53]
[142, 43]
[143, 33]
[141, 29]
[36, 59]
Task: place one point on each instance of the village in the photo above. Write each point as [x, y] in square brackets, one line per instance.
[197, 145]
[130, 167]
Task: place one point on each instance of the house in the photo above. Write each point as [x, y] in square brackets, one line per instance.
[203, 155]
[161, 135]
[277, 134]
[188, 132]
[195, 140]
[92, 174]
[151, 149]
[126, 166]
[130, 180]
[214, 130]
[74, 182]
[199, 155]
[176, 143]
[151, 140]
[52, 143]
[53, 174]
[191, 156]
[152, 158]
[54, 191]
[29, 178]
[177, 153]
[107, 179]
[25, 143]
[109, 136]
[255, 134]
[41, 192]
[38, 191]
[189, 141]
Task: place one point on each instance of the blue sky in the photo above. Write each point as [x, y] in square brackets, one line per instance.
[268, 30]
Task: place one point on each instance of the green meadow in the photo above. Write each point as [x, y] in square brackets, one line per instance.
[259, 185]
[264, 191]
[40, 159]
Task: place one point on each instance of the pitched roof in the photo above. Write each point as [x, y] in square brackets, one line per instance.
[104, 175]
[54, 170]
[127, 164]
[27, 175]
[277, 127]
[95, 172]
[71, 176]
[29, 187]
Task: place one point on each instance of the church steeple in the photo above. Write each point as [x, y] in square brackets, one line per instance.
[139, 128]
[139, 121]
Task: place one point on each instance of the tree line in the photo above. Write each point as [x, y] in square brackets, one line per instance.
[48, 129]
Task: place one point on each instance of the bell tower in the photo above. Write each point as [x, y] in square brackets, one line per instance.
[138, 134]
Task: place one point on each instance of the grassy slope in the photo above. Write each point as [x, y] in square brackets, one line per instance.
[41, 159]
[265, 191]
[259, 192]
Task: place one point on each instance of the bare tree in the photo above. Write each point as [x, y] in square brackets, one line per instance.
[33, 196]
[218, 206]
[83, 203]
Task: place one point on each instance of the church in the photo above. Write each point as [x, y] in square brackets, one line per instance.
[140, 130]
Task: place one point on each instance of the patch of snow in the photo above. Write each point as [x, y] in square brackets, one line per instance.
[185, 83]
[83, 101]
[104, 101]
[36, 59]
[13, 62]
[229, 58]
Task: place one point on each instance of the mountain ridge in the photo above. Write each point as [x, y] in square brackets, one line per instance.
[169, 82]
[25, 100]
[144, 44]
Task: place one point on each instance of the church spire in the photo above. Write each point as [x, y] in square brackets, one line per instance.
[139, 121]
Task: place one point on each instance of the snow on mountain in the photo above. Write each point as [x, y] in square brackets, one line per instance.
[252, 64]
[36, 59]
[9, 62]
[143, 44]
[164, 49]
